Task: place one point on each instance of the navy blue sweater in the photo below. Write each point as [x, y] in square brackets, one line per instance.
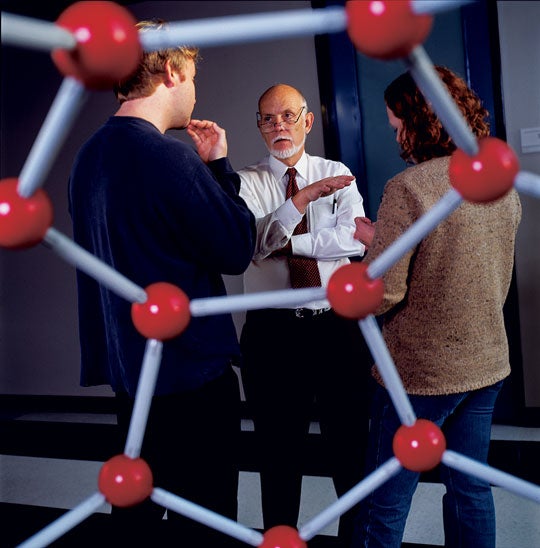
[147, 205]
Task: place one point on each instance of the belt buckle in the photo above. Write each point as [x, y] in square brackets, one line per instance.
[308, 312]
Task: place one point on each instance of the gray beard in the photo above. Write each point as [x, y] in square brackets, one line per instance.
[287, 153]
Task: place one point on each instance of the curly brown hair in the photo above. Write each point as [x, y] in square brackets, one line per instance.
[424, 137]
[149, 73]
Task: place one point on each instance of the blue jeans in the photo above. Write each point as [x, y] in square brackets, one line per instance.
[468, 509]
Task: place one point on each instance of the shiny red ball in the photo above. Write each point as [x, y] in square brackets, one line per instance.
[108, 46]
[164, 315]
[419, 447]
[23, 221]
[488, 175]
[282, 536]
[385, 29]
[352, 293]
[125, 481]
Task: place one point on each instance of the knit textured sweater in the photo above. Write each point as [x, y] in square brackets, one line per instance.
[443, 301]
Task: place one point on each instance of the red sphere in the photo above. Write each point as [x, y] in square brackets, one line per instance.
[108, 46]
[125, 481]
[23, 221]
[164, 315]
[488, 175]
[385, 29]
[282, 536]
[352, 293]
[419, 447]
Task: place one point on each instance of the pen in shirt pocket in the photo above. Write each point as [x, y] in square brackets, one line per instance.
[334, 203]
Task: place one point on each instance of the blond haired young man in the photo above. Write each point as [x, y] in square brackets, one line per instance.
[158, 211]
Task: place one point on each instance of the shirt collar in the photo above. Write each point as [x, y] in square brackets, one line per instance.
[279, 169]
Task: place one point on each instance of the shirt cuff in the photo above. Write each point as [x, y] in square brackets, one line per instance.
[288, 215]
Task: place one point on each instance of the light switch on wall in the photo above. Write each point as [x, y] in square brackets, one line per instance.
[530, 139]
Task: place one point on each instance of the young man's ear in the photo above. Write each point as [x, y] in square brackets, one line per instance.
[171, 74]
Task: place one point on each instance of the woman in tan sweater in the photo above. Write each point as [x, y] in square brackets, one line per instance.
[443, 319]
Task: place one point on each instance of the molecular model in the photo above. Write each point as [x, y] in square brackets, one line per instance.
[95, 44]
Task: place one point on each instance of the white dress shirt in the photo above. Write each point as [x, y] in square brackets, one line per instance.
[331, 227]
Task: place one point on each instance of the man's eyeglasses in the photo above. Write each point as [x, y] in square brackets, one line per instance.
[267, 122]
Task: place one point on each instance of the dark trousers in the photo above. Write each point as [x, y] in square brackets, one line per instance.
[190, 444]
[290, 363]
